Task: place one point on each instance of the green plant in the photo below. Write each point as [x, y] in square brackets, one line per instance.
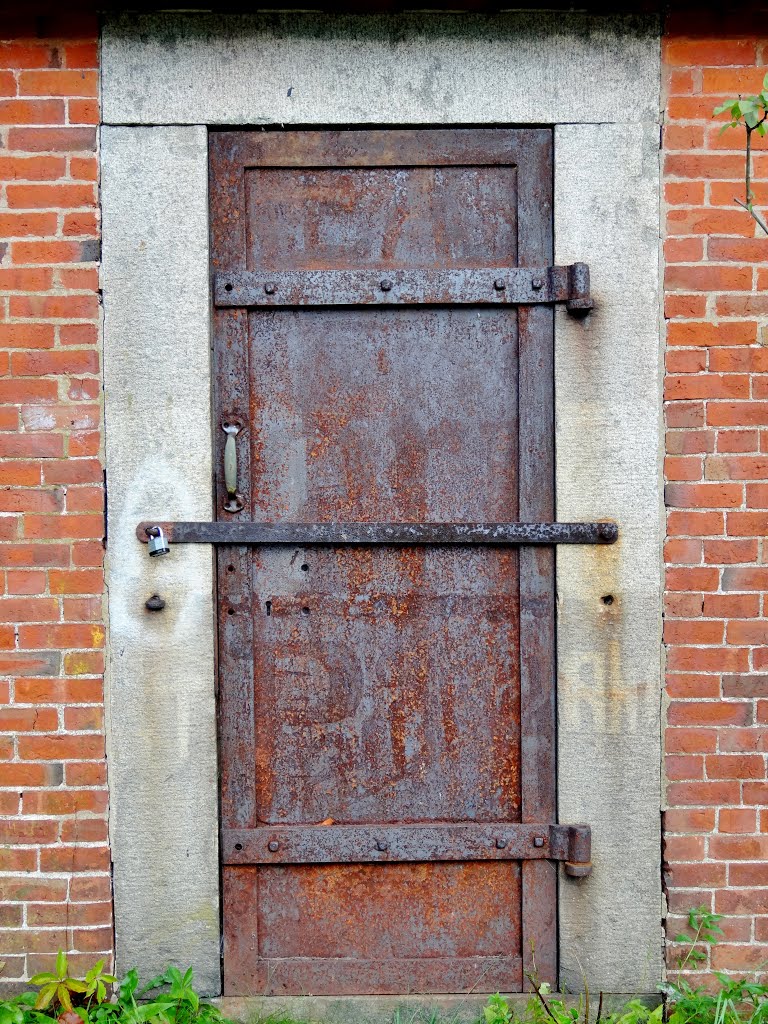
[96, 983]
[497, 1011]
[58, 987]
[749, 112]
[542, 1008]
[170, 998]
[706, 929]
[734, 1001]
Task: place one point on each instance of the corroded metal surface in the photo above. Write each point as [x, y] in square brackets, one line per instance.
[374, 928]
[462, 286]
[370, 686]
[341, 534]
[339, 844]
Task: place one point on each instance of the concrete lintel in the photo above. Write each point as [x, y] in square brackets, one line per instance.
[607, 406]
[524, 67]
[162, 722]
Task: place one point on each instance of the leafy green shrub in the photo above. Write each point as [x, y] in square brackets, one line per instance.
[170, 998]
[541, 1008]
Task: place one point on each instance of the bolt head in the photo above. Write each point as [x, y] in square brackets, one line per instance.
[385, 285]
[538, 842]
[499, 284]
[273, 847]
[537, 283]
[270, 287]
[501, 844]
[382, 845]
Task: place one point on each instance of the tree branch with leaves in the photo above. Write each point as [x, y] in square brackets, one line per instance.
[749, 112]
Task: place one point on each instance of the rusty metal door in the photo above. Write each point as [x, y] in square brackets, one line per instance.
[387, 712]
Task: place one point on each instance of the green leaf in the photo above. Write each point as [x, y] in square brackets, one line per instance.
[94, 971]
[129, 984]
[723, 107]
[43, 978]
[75, 986]
[45, 996]
[61, 964]
[62, 994]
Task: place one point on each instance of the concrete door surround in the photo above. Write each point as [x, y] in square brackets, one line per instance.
[167, 78]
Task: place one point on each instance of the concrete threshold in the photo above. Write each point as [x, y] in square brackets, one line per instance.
[413, 1009]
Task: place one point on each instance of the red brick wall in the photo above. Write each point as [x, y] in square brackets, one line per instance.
[716, 624]
[54, 859]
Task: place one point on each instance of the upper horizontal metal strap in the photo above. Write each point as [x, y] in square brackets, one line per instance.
[355, 844]
[382, 533]
[459, 286]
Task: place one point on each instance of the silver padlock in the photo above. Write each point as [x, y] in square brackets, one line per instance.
[157, 545]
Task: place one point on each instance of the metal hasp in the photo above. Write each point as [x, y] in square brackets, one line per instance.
[341, 534]
[361, 844]
[504, 286]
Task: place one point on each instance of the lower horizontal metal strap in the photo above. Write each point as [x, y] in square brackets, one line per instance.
[382, 533]
[355, 844]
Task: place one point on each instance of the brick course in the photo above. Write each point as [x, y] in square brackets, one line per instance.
[54, 859]
[716, 624]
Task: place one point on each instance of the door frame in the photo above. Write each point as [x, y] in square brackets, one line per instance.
[161, 700]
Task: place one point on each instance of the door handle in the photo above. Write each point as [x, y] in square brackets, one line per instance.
[234, 502]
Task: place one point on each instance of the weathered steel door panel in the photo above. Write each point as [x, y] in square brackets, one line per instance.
[384, 686]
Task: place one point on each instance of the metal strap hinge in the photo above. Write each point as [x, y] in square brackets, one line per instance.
[497, 286]
[357, 844]
[341, 534]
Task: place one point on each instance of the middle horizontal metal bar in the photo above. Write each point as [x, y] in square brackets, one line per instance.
[462, 285]
[382, 533]
[339, 844]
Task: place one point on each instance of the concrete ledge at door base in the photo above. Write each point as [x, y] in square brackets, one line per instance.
[419, 1009]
